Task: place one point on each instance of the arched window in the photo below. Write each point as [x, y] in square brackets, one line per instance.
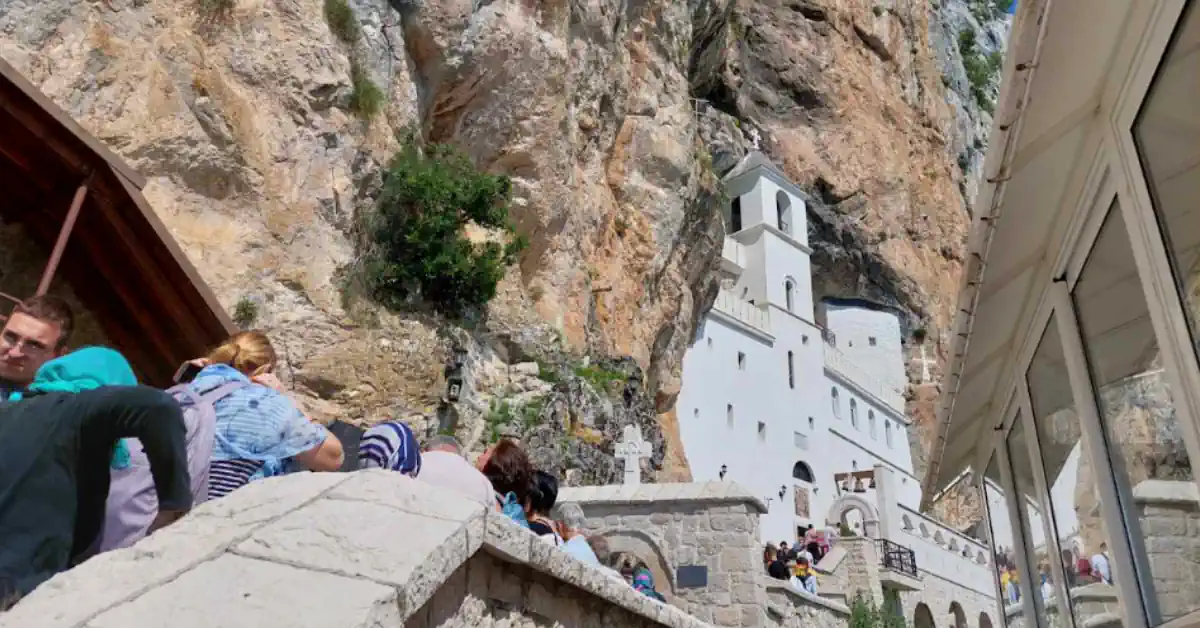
[854, 412]
[871, 422]
[812, 425]
[735, 215]
[789, 289]
[802, 472]
[783, 212]
[887, 432]
[791, 370]
[837, 406]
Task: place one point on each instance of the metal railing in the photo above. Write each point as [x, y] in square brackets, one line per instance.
[897, 557]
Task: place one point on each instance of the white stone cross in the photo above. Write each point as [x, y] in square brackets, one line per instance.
[925, 362]
[755, 138]
[632, 449]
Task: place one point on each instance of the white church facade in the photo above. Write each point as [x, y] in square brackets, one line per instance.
[781, 393]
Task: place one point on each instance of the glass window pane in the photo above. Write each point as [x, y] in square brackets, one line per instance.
[1167, 134]
[1031, 515]
[1002, 541]
[1069, 478]
[1141, 430]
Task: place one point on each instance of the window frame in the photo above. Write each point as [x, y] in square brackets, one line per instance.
[1116, 174]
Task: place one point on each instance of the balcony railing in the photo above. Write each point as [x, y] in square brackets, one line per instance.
[888, 394]
[729, 304]
[897, 558]
[733, 258]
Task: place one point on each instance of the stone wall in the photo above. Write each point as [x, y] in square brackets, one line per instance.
[487, 592]
[713, 524]
[333, 550]
[789, 608]
[1170, 516]
[939, 594]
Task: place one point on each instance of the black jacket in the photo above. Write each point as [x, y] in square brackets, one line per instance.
[55, 452]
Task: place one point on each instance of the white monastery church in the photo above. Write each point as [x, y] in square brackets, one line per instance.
[781, 393]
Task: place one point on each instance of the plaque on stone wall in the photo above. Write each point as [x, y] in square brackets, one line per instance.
[801, 501]
[691, 577]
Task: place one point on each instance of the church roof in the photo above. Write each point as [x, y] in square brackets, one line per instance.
[755, 160]
[328, 550]
[119, 259]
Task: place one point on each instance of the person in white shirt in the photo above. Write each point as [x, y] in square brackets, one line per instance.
[443, 465]
[1100, 565]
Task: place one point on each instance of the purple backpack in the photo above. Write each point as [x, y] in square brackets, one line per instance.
[132, 501]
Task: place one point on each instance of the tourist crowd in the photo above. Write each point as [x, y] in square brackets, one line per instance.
[1078, 572]
[797, 564]
[91, 461]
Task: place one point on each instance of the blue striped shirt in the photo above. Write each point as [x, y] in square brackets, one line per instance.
[258, 431]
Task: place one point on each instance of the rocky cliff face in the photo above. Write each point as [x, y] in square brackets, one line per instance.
[613, 117]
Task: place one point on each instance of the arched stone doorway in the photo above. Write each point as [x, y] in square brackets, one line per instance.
[849, 504]
[985, 621]
[923, 617]
[646, 548]
[957, 615]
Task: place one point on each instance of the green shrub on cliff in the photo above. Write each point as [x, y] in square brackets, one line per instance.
[981, 69]
[341, 20]
[366, 99]
[417, 250]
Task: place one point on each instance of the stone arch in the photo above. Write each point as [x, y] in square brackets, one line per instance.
[906, 523]
[957, 615]
[923, 617]
[851, 502]
[924, 529]
[938, 538]
[649, 550]
[985, 621]
[953, 544]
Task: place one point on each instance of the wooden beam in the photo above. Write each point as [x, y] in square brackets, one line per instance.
[64, 234]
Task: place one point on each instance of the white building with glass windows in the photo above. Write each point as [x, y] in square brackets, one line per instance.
[780, 393]
[1074, 387]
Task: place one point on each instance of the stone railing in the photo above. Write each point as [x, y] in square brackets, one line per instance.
[334, 550]
[887, 394]
[742, 311]
[733, 257]
[944, 552]
[788, 607]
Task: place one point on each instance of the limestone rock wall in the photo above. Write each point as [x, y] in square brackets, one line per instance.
[611, 116]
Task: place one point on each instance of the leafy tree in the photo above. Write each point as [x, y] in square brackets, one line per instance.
[865, 613]
[417, 249]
